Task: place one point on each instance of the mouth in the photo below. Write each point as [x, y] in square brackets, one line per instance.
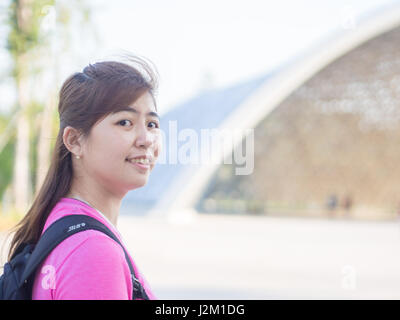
[143, 164]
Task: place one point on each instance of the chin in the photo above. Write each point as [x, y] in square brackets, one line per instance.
[138, 184]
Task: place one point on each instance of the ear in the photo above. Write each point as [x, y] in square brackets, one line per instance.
[72, 139]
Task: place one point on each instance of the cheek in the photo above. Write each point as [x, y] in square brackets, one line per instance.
[157, 151]
[157, 146]
[108, 151]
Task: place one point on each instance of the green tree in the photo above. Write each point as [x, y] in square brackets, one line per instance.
[25, 17]
[6, 156]
[36, 47]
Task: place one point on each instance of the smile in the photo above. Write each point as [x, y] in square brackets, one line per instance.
[142, 164]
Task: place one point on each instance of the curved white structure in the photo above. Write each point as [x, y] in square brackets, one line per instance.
[183, 195]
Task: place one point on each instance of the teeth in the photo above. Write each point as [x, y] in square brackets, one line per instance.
[143, 161]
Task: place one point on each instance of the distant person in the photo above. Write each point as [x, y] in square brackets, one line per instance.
[107, 145]
[347, 204]
[331, 204]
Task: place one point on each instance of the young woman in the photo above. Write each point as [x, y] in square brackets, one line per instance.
[108, 143]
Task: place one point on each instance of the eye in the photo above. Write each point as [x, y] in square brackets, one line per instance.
[124, 121]
[156, 125]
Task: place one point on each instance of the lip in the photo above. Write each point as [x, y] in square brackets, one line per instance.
[145, 156]
[140, 166]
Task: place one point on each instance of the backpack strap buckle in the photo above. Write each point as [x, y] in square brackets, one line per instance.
[138, 290]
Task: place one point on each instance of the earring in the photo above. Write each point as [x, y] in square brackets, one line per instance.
[78, 157]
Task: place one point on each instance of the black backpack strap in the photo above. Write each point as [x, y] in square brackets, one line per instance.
[62, 229]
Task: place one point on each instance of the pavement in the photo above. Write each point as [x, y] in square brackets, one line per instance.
[215, 256]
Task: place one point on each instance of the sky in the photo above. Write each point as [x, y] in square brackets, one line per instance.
[209, 43]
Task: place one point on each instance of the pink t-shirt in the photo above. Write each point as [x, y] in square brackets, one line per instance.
[88, 265]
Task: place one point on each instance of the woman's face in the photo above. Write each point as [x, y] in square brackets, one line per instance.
[113, 142]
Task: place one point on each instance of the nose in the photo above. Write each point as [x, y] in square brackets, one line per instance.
[144, 138]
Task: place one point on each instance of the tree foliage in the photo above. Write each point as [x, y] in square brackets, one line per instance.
[24, 21]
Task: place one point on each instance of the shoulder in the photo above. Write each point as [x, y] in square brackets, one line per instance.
[89, 246]
[87, 265]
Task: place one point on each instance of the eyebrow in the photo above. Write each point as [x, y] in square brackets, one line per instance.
[130, 109]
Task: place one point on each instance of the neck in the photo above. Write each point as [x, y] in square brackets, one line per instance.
[108, 204]
[98, 193]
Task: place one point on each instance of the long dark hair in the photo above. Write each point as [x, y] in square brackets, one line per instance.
[85, 98]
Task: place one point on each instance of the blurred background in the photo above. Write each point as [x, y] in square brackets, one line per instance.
[318, 84]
